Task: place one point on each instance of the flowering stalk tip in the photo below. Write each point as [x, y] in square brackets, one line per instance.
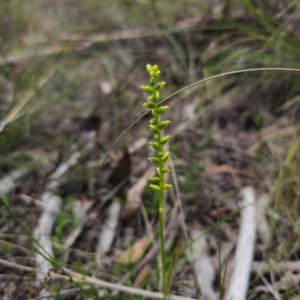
[156, 125]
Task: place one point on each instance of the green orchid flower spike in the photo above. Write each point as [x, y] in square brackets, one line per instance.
[157, 125]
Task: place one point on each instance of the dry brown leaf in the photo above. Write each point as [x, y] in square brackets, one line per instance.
[134, 253]
[220, 211]
[222, 169]
[143, 275]
[256, 136]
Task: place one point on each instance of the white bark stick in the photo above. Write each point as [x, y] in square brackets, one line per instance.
[202, 264]
[7, 183]
[245, 247]
[42, 233]
[107, 235]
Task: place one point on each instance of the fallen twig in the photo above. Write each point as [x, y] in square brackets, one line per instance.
[7, 183]
[75, 277]
[203, 267]
[245, 247]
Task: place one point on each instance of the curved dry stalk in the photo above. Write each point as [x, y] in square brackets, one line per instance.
[194, 84]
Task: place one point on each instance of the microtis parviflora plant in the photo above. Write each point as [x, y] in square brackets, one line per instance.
[157, 125]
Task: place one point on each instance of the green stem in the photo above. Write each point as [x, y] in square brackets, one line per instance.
[162, 243]
[161, 215]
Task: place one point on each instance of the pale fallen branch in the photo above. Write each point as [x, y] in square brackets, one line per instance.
[42, 233]
[245, 247]
[280, 267]
[80, 210]
[78, 278]
[204, 270]
[61, 170]
[47, 219]
[62, 293]
[38, 203]
[107, 234]
[263, 228]
[7, 183]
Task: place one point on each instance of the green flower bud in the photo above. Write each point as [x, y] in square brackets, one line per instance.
[149, 68]
[153, 122]
[147, 89]
[157, 97]
[160, 85]
[155, 68]
[164, 139]
[154, 145]
[162, 109]
[155, 187]
[153, 128]
[156, 179]
[166, 170]
[156, 136]
[153, 99]
[165, 157]
[149, 105]
[161, 154]
[167, 186]
[163, 124]
[154, 159]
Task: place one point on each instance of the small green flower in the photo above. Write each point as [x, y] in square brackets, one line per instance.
[147, 89]
[155, 187]
[154, 145]
[162, 109]
[166, 186]
[156, 179]
[155, 160]
[149, 105]
[164, 139]
[163, 124]
[160, 85]
[165, 156]
[153, 128]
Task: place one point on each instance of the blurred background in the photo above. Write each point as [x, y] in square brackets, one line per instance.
[70, 73]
